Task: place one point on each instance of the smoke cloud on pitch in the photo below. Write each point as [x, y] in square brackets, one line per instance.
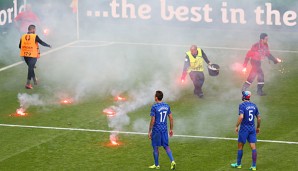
[138, 57]
[27, 100]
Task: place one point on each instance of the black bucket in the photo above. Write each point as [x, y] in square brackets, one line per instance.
[213, 69]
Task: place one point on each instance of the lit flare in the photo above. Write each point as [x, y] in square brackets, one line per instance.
[119, 98]
[46, 31]
[66, 101]
[109, 112]
[21, 112]
[244, 70]
[114, 139]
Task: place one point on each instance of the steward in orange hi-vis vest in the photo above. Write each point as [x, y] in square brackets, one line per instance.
[29, 47]
[30, 52]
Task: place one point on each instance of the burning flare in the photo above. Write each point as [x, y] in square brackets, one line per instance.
[20, 112]
[244, 70]
[66, 101]
[119, 98]
[109, 112]
[114, 139]
[46, 31]
[279, 60]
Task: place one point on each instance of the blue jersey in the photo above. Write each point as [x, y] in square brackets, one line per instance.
[249, 111]
[160, 111]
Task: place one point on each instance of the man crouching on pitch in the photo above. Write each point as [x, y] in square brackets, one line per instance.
[158, 129]
[247, 112]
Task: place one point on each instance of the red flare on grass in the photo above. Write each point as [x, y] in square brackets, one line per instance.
[114, 140]
[114, 144]
[119, 98]
[66, 101]
[20, 112]
[109, 112]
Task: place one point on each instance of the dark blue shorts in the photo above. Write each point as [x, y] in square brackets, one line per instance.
[160, 139]
[250, 136]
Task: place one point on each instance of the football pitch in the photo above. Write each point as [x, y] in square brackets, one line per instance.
[76, 135]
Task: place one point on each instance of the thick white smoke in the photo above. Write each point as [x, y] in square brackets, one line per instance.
[138, 57]
[139, 97]
[26, 101]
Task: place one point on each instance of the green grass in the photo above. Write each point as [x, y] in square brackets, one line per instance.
[47, 149]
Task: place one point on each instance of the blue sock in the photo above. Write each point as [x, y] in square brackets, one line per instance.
[239, 157]
[254, 157]
[169, 152]
[155, 155]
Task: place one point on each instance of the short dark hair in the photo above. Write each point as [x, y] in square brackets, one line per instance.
[159, 95]
[263, 35]
[31, 27]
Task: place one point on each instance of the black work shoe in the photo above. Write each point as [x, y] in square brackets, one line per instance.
[201, 96]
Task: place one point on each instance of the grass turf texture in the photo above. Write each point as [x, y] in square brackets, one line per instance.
[45, 149]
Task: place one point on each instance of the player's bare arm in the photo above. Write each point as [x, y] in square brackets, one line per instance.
[240, 118]
[171, 124]
[151, 126]
[258, 124]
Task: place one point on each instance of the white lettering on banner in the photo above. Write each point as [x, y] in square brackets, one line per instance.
[234, 13]
[6, 15]
[288, 18]
[182, 13]
[127, 9]
[3, 17]
[114, 5]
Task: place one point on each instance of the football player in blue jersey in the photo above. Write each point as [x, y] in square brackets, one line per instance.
[158, 129]
[248, 111]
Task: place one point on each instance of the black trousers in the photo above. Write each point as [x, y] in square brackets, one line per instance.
[198, 79]
[31, 64]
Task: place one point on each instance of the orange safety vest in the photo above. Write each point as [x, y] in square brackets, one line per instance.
[29, 48]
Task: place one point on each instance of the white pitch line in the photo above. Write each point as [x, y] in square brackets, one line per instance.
[137, 133]
[183, 45]
[58, 48]
[92, 46]
[10, 66]
[42, 54]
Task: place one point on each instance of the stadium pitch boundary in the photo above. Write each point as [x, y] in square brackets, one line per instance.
[136, 133]
[42, 54]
